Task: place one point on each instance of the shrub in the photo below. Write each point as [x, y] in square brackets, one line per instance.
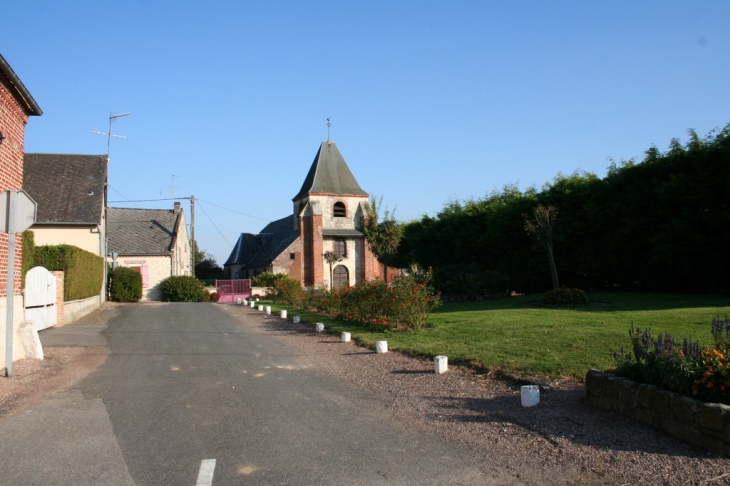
[267, 279]
[564, 296]
[215, 297]
[286, 290]
[323, 300]
[125, 285]
[28, 254]
[83, 272]
[469, 280]
[183, 289]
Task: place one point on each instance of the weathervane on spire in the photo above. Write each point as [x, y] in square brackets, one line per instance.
[328, 129]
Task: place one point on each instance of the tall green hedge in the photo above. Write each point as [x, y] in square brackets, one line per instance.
[28, 251]
[83, 271]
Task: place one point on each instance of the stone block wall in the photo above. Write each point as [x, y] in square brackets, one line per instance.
[704, 424]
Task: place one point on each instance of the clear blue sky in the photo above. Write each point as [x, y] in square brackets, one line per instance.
[429, 101]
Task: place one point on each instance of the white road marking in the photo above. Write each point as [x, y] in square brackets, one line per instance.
[205, 475]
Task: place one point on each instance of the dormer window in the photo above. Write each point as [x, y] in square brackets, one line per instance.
[339, 210]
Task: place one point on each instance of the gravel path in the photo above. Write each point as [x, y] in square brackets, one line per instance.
[562, 440]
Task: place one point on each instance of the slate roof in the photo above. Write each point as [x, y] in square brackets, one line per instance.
[259, 250]
[141, 231]
[344, 232]
[329, 174]
[17, 89]
[67, 188]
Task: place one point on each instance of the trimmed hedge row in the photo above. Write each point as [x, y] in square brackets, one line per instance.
[83, 271]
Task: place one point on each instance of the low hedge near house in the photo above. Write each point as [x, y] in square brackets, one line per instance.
[125, 285]
[183, 289]
[83, 272]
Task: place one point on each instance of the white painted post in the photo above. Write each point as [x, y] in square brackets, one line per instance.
[283, 314]
[381, 347]
[530, 395]
[268, 310]
[252, 303]
[257, 299]
[345, 338]
[441, 364]
[239, 301]
[261, 308]
[297, 319]
[320, 327]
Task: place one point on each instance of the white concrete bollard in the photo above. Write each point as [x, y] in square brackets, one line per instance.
[440, 364]
[345, 338]
[268, 309]
[297, 319]
[530, 395]
[239, 301]
[253, 304]
[283, 314]
[257, 299]
[320, 327]
[381, 347]
[261, 308]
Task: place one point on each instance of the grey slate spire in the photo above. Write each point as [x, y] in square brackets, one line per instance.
[329, 174]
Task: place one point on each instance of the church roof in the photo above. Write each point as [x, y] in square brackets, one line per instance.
[259, 250]
[329, 174]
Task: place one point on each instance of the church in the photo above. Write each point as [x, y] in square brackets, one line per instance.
[327, 216]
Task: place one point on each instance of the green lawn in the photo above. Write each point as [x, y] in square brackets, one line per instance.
[509, 335]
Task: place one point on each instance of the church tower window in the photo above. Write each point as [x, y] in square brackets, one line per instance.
[340, 248]
[339, 210]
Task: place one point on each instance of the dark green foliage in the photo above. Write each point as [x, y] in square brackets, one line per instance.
[564, 296]
[125, 285]
[469, 280]
[266, 279]
[659, 225]
[28, 251]
[208, 269]
[286, 290]
[183, 289]
[83, 272]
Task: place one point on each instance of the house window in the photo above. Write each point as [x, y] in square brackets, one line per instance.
[291, 256]
[340, 211]
[340, 248]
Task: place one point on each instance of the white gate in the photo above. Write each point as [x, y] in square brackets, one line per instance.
[40, 298]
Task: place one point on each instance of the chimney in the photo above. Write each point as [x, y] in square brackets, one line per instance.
[177, 206]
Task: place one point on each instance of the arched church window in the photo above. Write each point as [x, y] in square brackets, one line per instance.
[340, 211]
[340, 248]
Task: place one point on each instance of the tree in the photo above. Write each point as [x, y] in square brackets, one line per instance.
[208, 268]
[331, 258]
[541, 226]
[383, 236]
[199, 256]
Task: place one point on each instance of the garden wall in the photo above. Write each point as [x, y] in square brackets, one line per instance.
[704, 424]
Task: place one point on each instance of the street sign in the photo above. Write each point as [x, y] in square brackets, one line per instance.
[17, 211]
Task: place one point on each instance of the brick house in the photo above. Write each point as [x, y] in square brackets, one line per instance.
[16, 105]
[327, 214]
[153, 242]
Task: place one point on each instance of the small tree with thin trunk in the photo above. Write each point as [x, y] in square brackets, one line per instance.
[541, 226]
[331, 258]
[384, 235]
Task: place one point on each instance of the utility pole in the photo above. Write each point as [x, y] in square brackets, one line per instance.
[105, 238]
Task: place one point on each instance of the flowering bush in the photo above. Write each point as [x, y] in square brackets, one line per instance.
[564, 296]
[692, 370]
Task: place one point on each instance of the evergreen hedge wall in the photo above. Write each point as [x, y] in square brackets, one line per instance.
[83, 271]
[662, 224]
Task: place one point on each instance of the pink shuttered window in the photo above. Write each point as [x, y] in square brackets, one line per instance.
[145, 276]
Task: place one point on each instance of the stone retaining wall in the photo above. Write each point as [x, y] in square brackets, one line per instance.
[704, 424]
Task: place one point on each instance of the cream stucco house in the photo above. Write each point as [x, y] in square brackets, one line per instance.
[153, 242]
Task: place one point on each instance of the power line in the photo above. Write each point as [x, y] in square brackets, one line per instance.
[234, 211]
[211, 222]
[148, 200]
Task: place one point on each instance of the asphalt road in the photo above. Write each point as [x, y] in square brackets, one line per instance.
[185, 383]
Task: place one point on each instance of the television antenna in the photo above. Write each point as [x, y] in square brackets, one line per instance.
[171, 187]
[109, 133]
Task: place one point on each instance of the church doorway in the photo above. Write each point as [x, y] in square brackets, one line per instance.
[340, 277]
